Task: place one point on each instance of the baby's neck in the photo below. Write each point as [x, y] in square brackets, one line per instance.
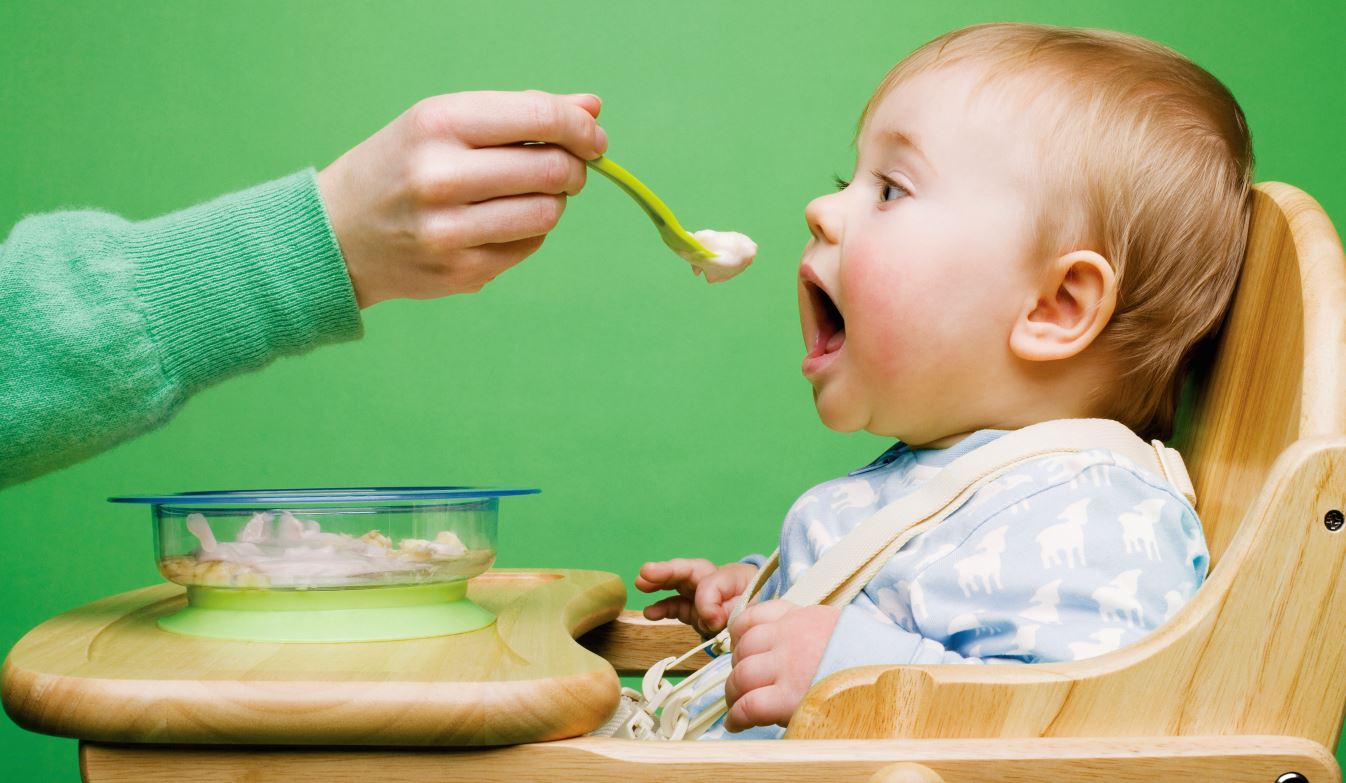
[1028, 394]
[944, 442]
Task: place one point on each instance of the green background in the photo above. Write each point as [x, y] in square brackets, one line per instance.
[661, 417]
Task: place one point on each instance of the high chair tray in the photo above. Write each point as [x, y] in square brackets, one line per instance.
[107, 672]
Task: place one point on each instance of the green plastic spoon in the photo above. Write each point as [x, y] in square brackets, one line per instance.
[672, 232]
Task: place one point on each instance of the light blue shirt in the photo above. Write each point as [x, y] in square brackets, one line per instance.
[1062, 558]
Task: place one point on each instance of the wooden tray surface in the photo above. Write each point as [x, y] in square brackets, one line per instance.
[106, 672]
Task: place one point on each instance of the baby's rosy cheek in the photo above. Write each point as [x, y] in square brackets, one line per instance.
[884, 333]
[882, 295]
[891, 360]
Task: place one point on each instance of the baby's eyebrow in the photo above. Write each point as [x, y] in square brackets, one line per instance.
[900, 139]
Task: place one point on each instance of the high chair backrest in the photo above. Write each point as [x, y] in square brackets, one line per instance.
[1278, 369]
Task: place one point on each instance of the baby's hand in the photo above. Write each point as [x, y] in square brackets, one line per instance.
[777, 648]
[446, 196]
[705, 593]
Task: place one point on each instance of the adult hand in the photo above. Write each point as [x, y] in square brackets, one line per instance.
[777, 647]
[446, 196]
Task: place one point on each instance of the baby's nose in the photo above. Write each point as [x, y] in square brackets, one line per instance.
[824, 218]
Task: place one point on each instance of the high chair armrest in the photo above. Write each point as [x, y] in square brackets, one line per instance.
[633, 644]
[930, 701]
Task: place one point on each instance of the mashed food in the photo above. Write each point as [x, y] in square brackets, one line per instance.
[733, 252]
[297, 553]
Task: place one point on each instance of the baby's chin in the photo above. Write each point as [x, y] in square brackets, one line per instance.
[837, 412]
[840, 414]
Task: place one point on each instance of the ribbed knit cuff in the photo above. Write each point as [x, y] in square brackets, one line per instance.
[232, 283]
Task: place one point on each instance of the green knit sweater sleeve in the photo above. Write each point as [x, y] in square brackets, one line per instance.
[108, 325]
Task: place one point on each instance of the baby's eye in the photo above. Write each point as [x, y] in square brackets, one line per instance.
[888, 189]
[841, 184]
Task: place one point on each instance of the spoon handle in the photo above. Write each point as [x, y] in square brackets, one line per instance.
[674, 235]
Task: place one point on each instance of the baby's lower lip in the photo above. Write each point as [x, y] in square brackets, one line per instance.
[823, 353]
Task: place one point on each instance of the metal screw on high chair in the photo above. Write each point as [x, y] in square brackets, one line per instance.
[1292, 777]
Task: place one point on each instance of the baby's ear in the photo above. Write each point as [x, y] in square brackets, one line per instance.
[1074, 302]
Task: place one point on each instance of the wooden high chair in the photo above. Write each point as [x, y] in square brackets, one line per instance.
[1245, 683]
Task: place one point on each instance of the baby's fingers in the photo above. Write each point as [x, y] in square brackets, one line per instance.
[713, 607]
[714, 598]
[755, 615]
[681, 574]
[749, 675]
[759, 707]
[713, 616]
[675, 606]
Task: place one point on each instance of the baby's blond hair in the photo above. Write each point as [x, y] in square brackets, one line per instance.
[1148, 161]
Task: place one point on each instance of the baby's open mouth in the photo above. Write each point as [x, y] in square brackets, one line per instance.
[829, 325]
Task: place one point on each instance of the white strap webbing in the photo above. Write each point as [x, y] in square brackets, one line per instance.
[845, 568]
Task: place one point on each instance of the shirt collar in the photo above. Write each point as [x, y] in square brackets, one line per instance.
[936, 458]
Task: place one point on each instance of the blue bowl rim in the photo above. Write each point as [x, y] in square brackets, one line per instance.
[324, 495]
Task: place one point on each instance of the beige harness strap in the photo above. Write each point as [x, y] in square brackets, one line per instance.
[659, 712]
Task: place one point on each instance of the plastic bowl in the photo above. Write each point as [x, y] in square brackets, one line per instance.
[354, 564]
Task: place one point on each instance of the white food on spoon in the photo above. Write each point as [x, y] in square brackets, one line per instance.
[733, 252]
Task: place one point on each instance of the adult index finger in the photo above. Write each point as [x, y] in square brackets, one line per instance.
[492, 119]
[587, 101]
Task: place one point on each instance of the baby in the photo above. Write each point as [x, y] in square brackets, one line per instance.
[1042, 224]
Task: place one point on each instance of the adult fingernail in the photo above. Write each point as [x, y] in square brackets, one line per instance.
[600, 139]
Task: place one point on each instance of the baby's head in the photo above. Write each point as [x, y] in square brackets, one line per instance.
[1043, 222]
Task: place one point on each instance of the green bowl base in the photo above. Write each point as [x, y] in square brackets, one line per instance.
[360, 614]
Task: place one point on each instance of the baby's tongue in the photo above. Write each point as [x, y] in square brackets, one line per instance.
[834, 342]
